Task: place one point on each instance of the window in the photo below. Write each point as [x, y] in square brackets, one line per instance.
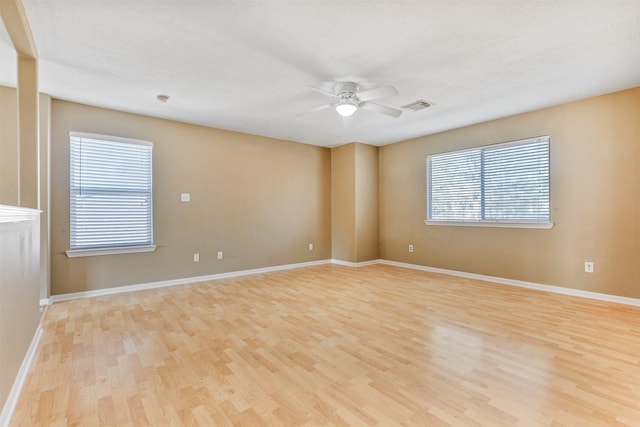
[497, 185]
[111, 198]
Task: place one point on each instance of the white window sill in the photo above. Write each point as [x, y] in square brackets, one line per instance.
[76, 253]
[539, 225]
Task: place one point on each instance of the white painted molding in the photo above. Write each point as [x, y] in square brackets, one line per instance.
[78, 253]
[494, 279]
[494, 224]
[521, 284]
[183, 281]
[18, 214]
[14, 394]
[355, 264]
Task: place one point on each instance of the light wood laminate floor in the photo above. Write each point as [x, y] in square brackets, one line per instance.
[333, 345]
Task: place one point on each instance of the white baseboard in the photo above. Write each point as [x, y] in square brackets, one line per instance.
[500, 280]
[521, 284]
[14, 394]
[183, 281]
[355, 264]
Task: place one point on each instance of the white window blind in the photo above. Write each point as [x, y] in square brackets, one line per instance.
[111, 187]
[502, 183]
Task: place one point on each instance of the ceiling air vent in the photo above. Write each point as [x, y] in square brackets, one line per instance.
[418, 105]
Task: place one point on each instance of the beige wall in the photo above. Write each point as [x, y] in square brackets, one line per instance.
[28, 129]
[20, 260]
[9, 147]
[325, 199]
[343, 207]
[45, 127]
[261, 201]
[354, 202]
[10, 172]
[595, 200]
[19, 161]
[366, 202]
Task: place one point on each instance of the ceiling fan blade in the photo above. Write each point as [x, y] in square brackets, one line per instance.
[393, 112]
[377, 93]
[322, 91]
[315, 110]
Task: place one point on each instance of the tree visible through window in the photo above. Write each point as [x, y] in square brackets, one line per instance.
[111, 197]
[502, 183]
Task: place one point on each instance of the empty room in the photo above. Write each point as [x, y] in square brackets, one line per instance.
[319, 213]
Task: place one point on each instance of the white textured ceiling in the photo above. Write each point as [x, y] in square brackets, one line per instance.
[247, 65]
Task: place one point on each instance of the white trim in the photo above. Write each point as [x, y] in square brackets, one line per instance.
[184, 281]
[108, 138]
[76, 253]
[45, 301]
[490, 223]
[354, 264]
[522, 284]
[18, 214]
[143, 188]
[189, 280]
[539, 225]
[14, 394]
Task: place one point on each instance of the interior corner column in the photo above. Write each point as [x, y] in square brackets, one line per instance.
[343, 203]
[354, 203]
[28, 135]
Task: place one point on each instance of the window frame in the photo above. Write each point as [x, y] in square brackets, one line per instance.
[548, 224]
[125, 249]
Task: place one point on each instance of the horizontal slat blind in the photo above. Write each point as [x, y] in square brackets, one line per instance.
[455, 186]
[499, 183]
[111, 188]
[516, 182]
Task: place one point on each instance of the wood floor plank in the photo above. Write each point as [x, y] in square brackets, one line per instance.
[331, 345]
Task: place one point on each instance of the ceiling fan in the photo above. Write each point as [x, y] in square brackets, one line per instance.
[350, 98]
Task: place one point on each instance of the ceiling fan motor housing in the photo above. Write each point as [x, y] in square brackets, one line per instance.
[350, 99]
[347, 91]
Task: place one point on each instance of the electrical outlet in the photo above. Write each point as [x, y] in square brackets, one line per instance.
[196, 257]
[410, 248]
[185, 197]
[588, 267]
[310, 246]
[220, 255]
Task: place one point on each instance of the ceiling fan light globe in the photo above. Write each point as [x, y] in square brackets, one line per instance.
[346, 109]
